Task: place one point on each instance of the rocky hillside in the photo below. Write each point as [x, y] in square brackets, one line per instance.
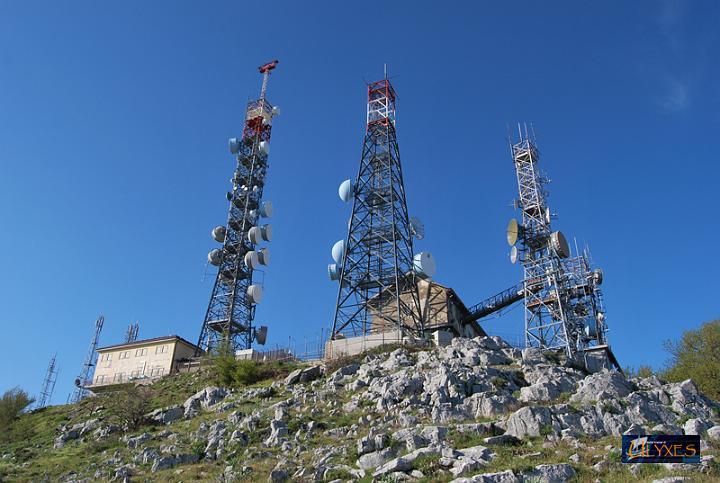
[477, 410]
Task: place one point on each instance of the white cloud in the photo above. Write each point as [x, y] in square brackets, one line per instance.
[676, 97]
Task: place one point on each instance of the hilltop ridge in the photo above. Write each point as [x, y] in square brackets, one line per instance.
[476, 410]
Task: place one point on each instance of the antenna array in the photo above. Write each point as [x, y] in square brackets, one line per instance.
[231, 312]
[84, 378]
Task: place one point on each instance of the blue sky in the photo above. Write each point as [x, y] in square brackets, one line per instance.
[114, 119]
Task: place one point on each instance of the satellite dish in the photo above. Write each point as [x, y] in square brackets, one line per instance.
[560, 244]
[346, 190]
[417, 228]
[266, 209]
[218, 233]
[333, 272]
[513, 231]
[254, 294]
[598, 276]
[266, 232]
[261, 334]
[338, 251]
[424, 265]
[234, 145]
[215, 257]
[252, 260]
[276, 111]
[264, 147]
[601, 316]
[264, 256]
[255, 235]
[513, 254]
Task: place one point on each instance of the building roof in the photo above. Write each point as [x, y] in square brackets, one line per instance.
[147, 341]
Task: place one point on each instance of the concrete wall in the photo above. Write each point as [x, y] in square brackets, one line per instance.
[150, 360]
[355, 345]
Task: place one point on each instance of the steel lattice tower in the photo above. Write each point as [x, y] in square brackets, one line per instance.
[563, 301]
[231, 311]
[132, 332]
[48, 385]
[80, 392]
[378, 290]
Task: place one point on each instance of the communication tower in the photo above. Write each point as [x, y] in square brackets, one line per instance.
[563, 300]
[231, 311]
[131, 334]
[375, 263]
[80, 392]
[48, 385]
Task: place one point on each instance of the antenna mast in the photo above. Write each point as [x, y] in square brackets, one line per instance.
[563, 301]
[48, 385]
[84, 378]
[231, 312]
[375, 264]
[131, 334]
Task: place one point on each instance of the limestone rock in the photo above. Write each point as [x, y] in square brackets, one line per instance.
[531, 421]
[550, 473]
[500, 477]
[375, 459]
[166, 415]
[602, 385]
[202, 399]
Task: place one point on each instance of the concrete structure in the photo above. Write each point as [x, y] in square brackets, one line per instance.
[142, 360]
[440, 309]
[442, 313]
[264, 356]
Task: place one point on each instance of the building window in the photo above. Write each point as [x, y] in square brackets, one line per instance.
[105, 357]
[134, 373]
[119, 376]
[157, 371]
[161, 349]
[124, 355]
[141, 352]
[99, 379]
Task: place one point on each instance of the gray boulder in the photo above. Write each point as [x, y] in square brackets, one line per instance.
[166, 415]
[503, 439]
[602, 385]
[137, 441]
[531, 421]
[501, 477]
[304, 374]
[714, 433]
[550, 474]
[404, 463]
[278, 433]
[202, 400]
[375, 459]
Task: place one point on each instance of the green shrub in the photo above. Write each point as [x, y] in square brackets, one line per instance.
[12, 404]
[230, 372]
[498, 382]
[247, 372]
[697, 356]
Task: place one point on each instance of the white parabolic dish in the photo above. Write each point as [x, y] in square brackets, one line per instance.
[338, 251]
[424, 264]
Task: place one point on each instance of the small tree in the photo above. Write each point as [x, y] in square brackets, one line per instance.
[696, 356]
[129, 406]
[642, 371]
[13, 402]
[224, 364]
